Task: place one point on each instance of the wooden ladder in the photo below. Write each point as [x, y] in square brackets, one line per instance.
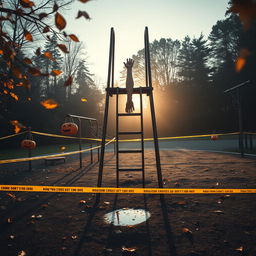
[110, 91]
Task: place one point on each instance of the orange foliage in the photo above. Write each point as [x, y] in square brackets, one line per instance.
[16, 72]
[63, 48]
[17, 125]
[28, 36]
[60, 22]
[49, 104]
[74, 38]
[56, 72]
[14, 96]
[241, 59]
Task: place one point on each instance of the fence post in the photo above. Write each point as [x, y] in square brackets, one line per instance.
[29, 135]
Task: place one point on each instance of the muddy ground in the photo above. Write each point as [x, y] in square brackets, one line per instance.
[44, 224]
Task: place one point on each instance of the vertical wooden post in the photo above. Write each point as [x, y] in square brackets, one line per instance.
[80, 142]
[251, 142]
[29, 135]
[240, 123]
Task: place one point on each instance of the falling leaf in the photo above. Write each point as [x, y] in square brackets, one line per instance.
[74, 237]
[82, 202]
[69, 81]
[11, 195]
[27, 61]
[49, 104]
[48, 55]
[1, 52]
[28, 99]
[83, 99]
[38, 51]
[55, 7]
[46, 29]
[74, 38]
[26, 3]
[28, 36]
[63, 48]
[60, 22]
[13, 95]
[42, 15]
[16, 72]
[17, 125]
[34, 71]
[83, 14]
[241, 59]
[56, 72]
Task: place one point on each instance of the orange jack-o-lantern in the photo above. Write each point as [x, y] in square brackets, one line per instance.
[28, 144]
[69, 129]
[214, 137]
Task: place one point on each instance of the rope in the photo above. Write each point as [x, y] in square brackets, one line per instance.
[12, 135]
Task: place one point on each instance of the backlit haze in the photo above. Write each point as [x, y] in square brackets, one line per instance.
[164, 18]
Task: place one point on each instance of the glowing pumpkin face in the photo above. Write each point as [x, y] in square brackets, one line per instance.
[28, 144]
[214, 137]
[69, 129]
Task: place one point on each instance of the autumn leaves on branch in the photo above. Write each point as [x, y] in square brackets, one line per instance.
[35, 14]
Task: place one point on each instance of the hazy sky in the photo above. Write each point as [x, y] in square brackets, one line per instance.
[165, 18]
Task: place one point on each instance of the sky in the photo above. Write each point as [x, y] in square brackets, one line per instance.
[165, 19]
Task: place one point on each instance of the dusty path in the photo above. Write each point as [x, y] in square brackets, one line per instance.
[58, 224]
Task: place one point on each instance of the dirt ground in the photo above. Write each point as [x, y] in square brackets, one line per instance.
[48, 224]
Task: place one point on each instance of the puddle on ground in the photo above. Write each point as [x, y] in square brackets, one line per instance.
[126, 217]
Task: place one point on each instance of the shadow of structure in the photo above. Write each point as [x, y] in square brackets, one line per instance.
[167, 225]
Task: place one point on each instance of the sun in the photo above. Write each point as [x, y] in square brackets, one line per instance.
[136, 102]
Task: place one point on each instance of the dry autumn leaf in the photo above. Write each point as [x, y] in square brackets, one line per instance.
[69, 81]
[13, 95]
[27, 61]
[11, 195]
[49, 55]
[34, 71]
[60, 22]
[38, 51]
[17, 125]
[28, 36]
[83, 14]
[42, 15]
[26, 3]
[49, 104]
[74, 38]
[63, 48]
[56, 72]
[84, 1]
[83, 99]
[46, 29]
[17, 73]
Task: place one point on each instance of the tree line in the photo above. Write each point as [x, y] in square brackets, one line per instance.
[191, 75]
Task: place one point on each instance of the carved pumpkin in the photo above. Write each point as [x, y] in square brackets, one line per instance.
[28, 144]
[214, 137]
[69, 129]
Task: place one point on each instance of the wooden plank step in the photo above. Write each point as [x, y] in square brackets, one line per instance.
[130, 169]
[129, 114]
[127, 133]
[130, 151]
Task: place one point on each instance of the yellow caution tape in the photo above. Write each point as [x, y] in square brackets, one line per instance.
[50, 156]
[183, 137]
[62, 136]
[12, 135]
[109, 190]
